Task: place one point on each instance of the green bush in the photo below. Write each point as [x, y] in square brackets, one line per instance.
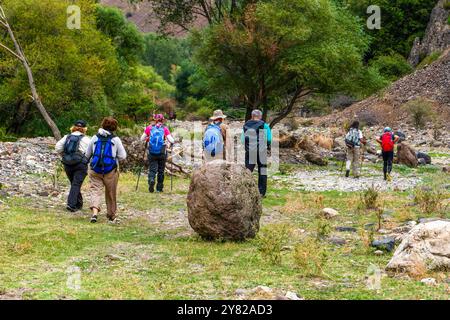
[429, 59]
[310, 257]
[271, 240]
[391, 67]
[369, 198]
[420, 111]
[430, 201]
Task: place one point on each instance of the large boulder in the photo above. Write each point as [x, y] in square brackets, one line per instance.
[223, 202]
[425, 247]
[407, 155]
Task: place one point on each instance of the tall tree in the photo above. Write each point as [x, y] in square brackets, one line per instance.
[278, 52]
[20, 55]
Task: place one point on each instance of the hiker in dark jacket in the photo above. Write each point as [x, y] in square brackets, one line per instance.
[158, 137]
[387, 142]
[257, 138]
[105, 150]
[72, 148]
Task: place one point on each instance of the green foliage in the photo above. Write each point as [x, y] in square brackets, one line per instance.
[323, 228]
[271, 240]
[391, 67]
[429, 59]
[430, 201]
[310, 257]
[369, 198]
[127, 39]
[447, 5]
[401, 22]
[317, 105]
[420, 111]
[279, 47]
[165, 53]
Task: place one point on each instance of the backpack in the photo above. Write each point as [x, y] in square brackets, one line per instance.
[71, 154]
[103, 161]
[156, 145]
[387, 142]
[213, 140]
[352, 138]
[252, 135]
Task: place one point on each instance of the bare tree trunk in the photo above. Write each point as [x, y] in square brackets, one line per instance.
[299, 93]
[21, 56]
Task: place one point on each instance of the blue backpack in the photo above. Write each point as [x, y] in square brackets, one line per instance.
[103, 161]
[156, 143]
[213, 140]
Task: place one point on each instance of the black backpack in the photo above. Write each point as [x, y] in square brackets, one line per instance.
[72, 155]
[252, 130]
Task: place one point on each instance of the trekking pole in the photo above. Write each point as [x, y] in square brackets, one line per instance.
[171, 168]
[141, 168]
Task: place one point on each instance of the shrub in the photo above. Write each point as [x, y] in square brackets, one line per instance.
[429, 59]
[369, 198]
[420, 111]
[323, 228]
[430, 200]
[310, 257]
[391, 67]
[271, 240]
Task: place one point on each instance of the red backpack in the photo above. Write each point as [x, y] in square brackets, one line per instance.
[387, 142]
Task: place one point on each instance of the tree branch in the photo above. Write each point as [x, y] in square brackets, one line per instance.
[12, 52]
[299, 93]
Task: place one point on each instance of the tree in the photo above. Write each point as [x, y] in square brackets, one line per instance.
[278, 52]
[20, 55]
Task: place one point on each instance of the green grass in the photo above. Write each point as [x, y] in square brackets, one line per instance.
[144, 258]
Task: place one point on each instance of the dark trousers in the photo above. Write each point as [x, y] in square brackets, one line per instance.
[388, 158]
[76, 174]
[261, 161]
[157, 165]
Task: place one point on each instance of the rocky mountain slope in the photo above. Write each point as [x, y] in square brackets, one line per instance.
[431, 83]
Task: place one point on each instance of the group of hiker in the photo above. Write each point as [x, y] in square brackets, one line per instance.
[354, 140]
[99, 157]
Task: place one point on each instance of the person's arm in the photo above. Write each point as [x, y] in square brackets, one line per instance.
[90, 147]
[379, 140]
[168, 135]
[396, 138]
[268, 132]
[60, 145]
[121, 152]
[145, 135]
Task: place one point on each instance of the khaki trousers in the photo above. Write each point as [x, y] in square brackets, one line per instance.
[353, 160]
[109, 182]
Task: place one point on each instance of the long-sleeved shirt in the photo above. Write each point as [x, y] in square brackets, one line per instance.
[84, 143]
[118, 151]
[146, 135]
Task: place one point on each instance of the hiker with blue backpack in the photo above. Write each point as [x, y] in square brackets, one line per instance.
[354, 139]
[72, 148]
[215, 142]
[105, 151]
[257, 139]
[157, 136]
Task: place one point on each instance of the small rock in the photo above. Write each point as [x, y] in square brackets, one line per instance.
[262, 290]
[429, 281]
[292, 296]
[329, 213]
[345, 229]
[241, 292]
[386, 244]
[337, 241]
[378, 252]
[43, 193]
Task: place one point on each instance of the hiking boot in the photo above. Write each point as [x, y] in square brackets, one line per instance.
[70, 209]
[347, 173]
[389, 177]
[151, 188]
[94, 219]
[113, 220]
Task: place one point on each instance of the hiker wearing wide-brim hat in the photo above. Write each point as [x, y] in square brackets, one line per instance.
[216, 141]
[72, 148]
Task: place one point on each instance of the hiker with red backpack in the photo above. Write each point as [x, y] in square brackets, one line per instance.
[215, 139]
[72, 148]
[354, 139]
[387, 141]
[157, 136]
[105, 151]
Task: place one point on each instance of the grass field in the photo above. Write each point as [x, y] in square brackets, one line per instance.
[153, 253]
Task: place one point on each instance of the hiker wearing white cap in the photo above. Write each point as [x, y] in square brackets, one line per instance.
[215, 141]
